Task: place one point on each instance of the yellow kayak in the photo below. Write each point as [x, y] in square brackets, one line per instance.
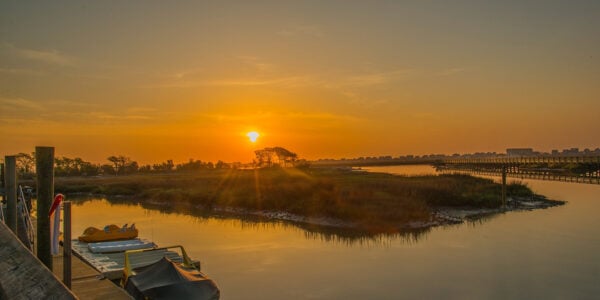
[109, 233]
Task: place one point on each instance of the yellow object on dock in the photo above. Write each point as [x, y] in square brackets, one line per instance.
[109, 233]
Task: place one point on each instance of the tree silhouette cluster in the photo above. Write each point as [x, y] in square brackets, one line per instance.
[118, 165]
[275, 156]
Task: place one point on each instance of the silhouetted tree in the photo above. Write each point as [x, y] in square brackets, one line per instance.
[221, 165]
[275, 156]
[164, 167]
[25, 164]
[121, 164]
[108, 169]
[192, 165]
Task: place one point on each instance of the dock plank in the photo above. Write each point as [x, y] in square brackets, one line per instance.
[87, 283]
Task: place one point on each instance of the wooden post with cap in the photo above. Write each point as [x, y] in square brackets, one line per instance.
[504, 187]
[44, 157]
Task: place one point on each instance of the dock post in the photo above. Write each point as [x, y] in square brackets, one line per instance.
[11, 192]
[67, 244]
[2, 178]
[44, 157]
[504, 187]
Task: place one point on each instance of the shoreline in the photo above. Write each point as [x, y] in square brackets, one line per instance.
[439, 217]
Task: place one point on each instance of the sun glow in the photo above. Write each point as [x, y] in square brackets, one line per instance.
[253, 136]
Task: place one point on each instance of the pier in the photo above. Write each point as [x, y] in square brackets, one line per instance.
[24, 276]
[576, 169]
[33, 272]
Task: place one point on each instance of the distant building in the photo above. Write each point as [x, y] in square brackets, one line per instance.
[572, 151]
[519, 152]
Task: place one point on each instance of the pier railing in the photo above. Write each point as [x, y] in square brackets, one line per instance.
[577, 169]
[525, 160]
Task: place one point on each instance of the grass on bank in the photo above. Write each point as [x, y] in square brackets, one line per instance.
[364, 198]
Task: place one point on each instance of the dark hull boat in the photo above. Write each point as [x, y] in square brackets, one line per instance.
[167, 279]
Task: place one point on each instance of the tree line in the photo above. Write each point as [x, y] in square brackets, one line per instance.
[116, 165]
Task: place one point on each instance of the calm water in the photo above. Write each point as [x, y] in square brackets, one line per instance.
[542, 254]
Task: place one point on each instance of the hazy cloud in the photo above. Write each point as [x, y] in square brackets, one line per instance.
[116, 117]
[21, 71]
[377, 78]
[19, 104]
[69, 103]
[306, 30]
[451, 71]
[46, 56]
[256, 63]
[262, 73]
[306, 116]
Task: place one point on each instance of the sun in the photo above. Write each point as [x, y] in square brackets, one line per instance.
[253, 136]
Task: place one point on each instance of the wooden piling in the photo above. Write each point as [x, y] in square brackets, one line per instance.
[11, 192]
[504, 187]
[67, 244]
[1, 175]
[44, 157]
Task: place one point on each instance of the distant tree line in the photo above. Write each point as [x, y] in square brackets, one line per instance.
[117, 165]
[123, 165]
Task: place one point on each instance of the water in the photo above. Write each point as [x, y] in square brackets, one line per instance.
[541, 254]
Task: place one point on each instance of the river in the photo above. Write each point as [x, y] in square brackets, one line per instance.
[542, 254]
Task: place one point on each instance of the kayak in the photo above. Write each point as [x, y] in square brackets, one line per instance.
[108, 233]
[120, 246]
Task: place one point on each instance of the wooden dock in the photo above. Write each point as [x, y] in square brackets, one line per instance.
[87, 283]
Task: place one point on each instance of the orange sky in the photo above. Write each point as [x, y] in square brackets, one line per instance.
[157, 81]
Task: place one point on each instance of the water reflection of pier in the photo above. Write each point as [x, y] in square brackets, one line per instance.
[576, 169]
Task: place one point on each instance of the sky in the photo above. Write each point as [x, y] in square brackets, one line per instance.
[158, 80]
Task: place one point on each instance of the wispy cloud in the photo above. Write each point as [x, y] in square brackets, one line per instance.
[117, 117]
[451, 71]
[19, 104]
[282, 81]
[256, 63]
[324, 117]
[21, 71]
[64, 104]
[187, 73]
[306, 30]
[240, 82]
[376, 78]
[46, 56]
[141, 109]
[262, 116]
[325, 81]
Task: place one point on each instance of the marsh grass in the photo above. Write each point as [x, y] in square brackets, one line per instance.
[371, 199]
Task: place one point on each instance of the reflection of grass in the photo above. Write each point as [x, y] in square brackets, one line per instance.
[372, 199]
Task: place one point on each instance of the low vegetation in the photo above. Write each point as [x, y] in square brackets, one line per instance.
[370, 199]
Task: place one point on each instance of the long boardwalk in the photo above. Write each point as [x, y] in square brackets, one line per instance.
[577, 169]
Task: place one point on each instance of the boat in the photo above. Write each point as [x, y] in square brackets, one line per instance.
[120, 246]
[110, 232]
[168, 279]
